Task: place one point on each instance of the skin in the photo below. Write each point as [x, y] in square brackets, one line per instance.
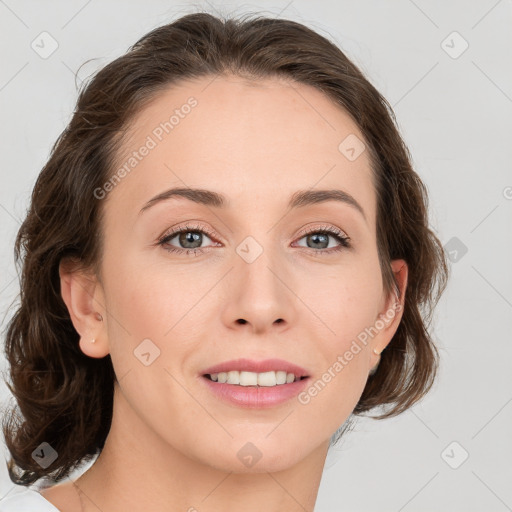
[173, 445]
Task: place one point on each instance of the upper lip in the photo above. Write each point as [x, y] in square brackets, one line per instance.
[249, 365]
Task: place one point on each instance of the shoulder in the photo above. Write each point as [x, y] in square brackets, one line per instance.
[27, 500]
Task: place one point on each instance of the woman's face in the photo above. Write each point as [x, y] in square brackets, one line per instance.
[269, 283]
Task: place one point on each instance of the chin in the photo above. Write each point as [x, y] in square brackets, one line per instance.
[256, 455]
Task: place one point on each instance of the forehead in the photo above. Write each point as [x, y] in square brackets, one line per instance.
[252, 141]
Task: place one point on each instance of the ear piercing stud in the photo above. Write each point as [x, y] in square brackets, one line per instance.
[374, 369]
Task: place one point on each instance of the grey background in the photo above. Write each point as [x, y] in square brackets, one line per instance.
[455, 113]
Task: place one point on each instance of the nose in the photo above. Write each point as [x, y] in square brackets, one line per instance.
[259, 296]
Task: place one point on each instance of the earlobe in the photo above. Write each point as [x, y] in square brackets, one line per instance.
[92, 347]
[81, 292]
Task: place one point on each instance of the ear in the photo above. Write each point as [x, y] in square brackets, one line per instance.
[392, 311]
[83, 296]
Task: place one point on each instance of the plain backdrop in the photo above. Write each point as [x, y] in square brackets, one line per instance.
[446, 69]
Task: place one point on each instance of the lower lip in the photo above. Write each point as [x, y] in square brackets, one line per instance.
[252, 397]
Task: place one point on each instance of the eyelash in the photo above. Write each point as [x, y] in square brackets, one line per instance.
[324, 230]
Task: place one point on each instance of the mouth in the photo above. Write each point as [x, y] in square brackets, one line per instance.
[252, 373]
[255, 390]
[252, 379]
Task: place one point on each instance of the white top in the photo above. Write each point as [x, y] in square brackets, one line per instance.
[28, 500]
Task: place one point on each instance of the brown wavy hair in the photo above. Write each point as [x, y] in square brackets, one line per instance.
[65, 397]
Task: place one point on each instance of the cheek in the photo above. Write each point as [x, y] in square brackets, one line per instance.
[160, 303]
[149, 340]
[138, 310]
[141, 295]
[346, 307]
[343, 354]
[345, 303]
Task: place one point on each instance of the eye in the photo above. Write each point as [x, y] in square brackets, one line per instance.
[189, 240]
[317, 239]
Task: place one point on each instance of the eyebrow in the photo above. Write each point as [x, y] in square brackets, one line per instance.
[299, 199]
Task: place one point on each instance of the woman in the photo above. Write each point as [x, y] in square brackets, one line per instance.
[226, 258]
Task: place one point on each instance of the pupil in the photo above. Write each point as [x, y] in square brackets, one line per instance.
[316, 237]
[190, 237]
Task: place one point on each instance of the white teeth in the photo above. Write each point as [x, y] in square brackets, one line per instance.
[268, 379]
[281, 377]
[233, 377]
[245, 379]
